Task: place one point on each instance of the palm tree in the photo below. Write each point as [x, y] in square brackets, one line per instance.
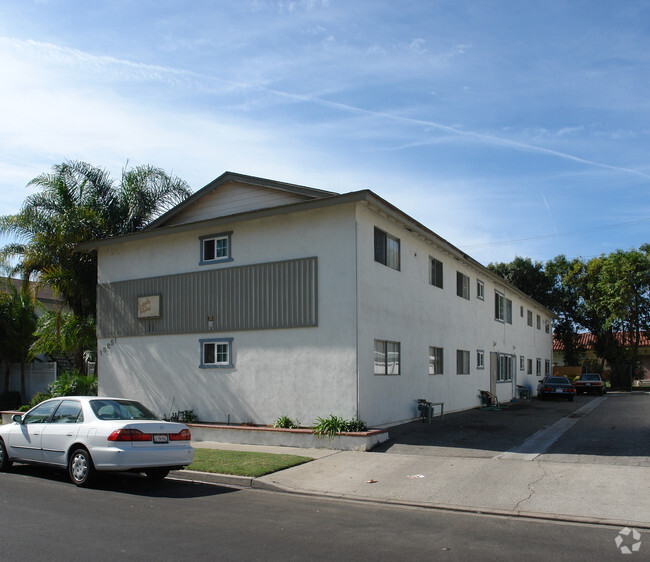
[76, 203]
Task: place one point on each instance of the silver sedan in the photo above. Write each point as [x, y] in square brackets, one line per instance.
[85, 434]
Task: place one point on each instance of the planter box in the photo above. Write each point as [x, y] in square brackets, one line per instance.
[303, 438]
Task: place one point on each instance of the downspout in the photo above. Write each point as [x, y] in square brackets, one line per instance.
[356, 306]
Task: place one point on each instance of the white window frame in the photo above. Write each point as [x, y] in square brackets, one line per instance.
[211, 256]
[480, 290]
[539, 322]
[505, 367]
[216, 353]
[538, 367]
[547, 367]
[436, 360]
[499, 306]
[529, 319]
[480, 359]
[522, 363]
[390, 355]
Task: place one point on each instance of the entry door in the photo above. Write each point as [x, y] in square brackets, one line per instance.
[61, 432]
[494, 366]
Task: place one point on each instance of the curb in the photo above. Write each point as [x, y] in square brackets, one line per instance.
[233, 481]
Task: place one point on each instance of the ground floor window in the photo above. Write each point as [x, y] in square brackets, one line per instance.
[538, 367]
[505, 367]
[480, 359]
[216, 353]
[436, 363]
[547, 367]
[462, 362]
[529, 370]
[387, 357]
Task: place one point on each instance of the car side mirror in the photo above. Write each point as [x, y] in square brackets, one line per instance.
[18, 418]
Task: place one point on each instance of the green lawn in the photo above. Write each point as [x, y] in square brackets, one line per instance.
[242, 463]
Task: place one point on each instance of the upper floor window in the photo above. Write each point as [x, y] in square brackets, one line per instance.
[462, 285]
[436, 273]
[539, 322]
[529, 319]
[547, 327]
[480, 290]
[215, 248]
[387, 249]
[499, 307]
[508, 311]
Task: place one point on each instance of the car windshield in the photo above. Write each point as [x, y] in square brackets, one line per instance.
[590, 377]
[121, 410]
[557, 380]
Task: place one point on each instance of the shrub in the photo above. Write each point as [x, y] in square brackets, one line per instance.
[335, 425]
[285, 422]
[73, 383]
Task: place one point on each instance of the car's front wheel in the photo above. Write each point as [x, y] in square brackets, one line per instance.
[157, 473]
[81, 468]
[5, 463]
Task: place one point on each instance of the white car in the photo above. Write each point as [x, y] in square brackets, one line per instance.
[86, 434]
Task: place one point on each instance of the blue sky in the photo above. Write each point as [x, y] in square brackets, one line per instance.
[507, 127]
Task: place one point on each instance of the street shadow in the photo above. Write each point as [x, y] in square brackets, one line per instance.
[129, 483]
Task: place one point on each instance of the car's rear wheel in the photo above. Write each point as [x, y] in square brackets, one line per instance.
[81, 468]
[157, 473]
[5, 463]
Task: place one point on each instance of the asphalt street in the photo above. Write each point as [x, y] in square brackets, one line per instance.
[130, 518]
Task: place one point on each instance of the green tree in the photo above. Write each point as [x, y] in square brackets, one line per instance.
[17, 324]
[528, 276]
[76, 203]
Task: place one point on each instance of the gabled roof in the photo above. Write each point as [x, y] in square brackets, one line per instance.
[587, 340]
[305, 192]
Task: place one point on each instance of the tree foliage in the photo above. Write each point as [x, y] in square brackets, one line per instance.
[608, 296]
[78, 202]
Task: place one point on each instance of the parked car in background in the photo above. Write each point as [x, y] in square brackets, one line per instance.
[540, 385]
[590, 383]
[85, 434]
[557, 386]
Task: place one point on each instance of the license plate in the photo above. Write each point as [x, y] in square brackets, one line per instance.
[559, 390]
[160, 438]
[588, 384]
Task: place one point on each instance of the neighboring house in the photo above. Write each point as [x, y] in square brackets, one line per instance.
[41, 372]
[586, 342]
[256, 298]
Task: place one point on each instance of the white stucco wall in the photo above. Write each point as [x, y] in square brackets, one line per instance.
[403, 306]
[301, 373]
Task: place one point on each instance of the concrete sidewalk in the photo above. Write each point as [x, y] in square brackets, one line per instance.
[522, 481]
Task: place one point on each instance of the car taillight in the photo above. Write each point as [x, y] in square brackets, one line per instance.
[129, 435]
[183, 435]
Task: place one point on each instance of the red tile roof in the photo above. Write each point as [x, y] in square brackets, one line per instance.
[586, 340]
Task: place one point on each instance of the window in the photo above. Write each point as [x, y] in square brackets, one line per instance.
[387, 249]
[521, 311]
[539, 322]
[508, 311]
[522, 362]
[41, 413]
[462, 362]
[215, 248]
[530, 317]
[436, 273]
[436, 362]
[505, 367]
[387, 357]
[499, 306]
[547, 327]
[547, 367]
[480, 359]
[529, 370]
[462, 285]
[480, 290]
[68, 412]
[538, 367]
[216, 353]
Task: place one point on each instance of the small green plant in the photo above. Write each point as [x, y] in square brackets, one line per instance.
[187, 416]
[354, 425]
[285, 422]
[335, 425]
